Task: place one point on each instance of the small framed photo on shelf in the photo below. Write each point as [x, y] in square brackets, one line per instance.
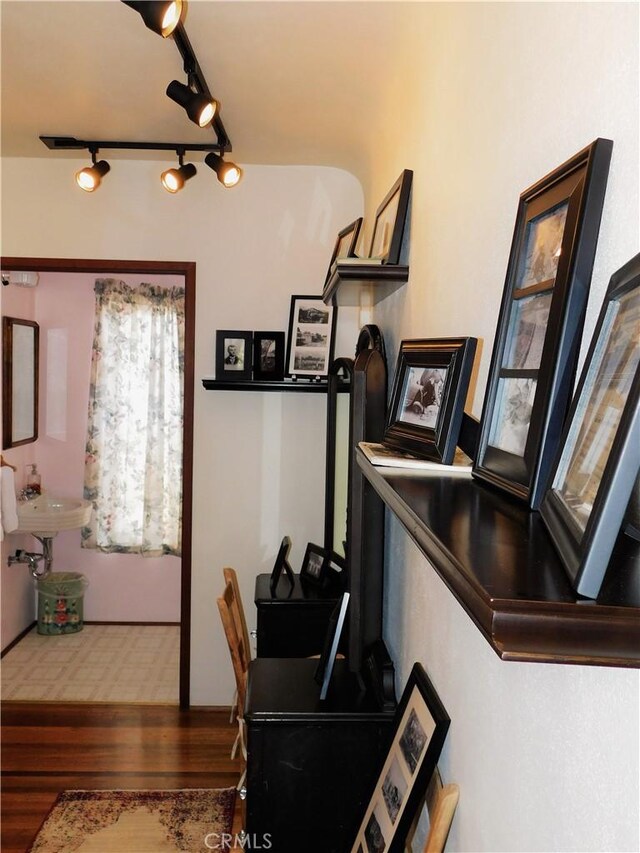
[315, 565]
[281, 565]
[537, 341]
[327, 661]
[429, 392]
[420, 731]
[233, 354]
[599, 460]
[268, 355]
[391, 216]
[311, 337]
[345, 246]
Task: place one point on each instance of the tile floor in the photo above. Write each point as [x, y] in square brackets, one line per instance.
[101, 663]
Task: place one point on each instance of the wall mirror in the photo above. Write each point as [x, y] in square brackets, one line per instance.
[20, 349]
[338, 457]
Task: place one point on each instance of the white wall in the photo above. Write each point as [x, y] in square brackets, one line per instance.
[259, 459]
[493, 97]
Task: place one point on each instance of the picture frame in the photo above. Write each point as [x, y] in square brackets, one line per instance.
[324, 670]
[429, 392]
[268, 355]
[281, 564]
[311, 337]
[599, 460]
[345, 245]
[233, 354]
[315, 565]
[421, 726]
[390, 221]
[537, 341]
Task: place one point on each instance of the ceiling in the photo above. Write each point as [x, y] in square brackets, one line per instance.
[298, 81]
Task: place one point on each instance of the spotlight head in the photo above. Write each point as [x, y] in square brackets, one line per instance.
[198, 107]
[90, 178]
[228, 173]
[174, 179]
[161, 16]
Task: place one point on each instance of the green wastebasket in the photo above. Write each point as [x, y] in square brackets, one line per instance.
[61, 602]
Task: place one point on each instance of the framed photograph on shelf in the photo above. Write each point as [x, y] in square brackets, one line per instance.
[282, 565]
[599, 460]
[315, 564]
[421, 728]
[538, 336]
[345, 246]
[233, 354]
[428, 396]
[268, 355]
[311, 337]
[390, 221]
[327, 660]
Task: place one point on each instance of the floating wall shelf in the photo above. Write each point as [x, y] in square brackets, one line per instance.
[287, 385]
[347, 281]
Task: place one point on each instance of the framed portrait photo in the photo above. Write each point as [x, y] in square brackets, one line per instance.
[390, 221]
[428, 396]
[233, 354]
[315, 564]
[281, 565]
[420, 731]
[538, 336]
[599, 460]
[324, 670]
[345, 246]
[311, 337]
[268, 355]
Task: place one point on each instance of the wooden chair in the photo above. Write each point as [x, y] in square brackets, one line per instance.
[440, 801]
[231, 618]
[231, 577]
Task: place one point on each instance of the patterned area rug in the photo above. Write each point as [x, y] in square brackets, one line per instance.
[191, 820]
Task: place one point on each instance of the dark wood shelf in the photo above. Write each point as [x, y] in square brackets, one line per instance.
[498, 560]
[348, 280]
[302, 386]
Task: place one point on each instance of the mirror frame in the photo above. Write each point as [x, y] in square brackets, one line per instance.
[340, 380]
[9, 380]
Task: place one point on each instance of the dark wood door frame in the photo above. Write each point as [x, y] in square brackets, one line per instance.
[188, 270]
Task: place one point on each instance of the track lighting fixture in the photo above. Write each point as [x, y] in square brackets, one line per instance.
[161, 17]
[90, 178]
[174, 179]
[200, 108]
[228, 173]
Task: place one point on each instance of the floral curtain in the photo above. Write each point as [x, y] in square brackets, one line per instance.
[133, 465]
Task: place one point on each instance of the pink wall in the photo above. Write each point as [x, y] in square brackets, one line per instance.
[122, 587]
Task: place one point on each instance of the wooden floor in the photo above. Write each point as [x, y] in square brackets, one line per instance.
[48, 748]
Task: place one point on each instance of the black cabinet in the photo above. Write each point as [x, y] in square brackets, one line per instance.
[311, 766]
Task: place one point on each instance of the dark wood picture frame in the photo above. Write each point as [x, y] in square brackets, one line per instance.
[599, 460]
[537, 340]
[327, 660]
[15, 391]
[421, 726]
[311, 337]
[268, 355]
[315, 565]
[390, 221]
[281, 565]
[345, 245]
[428, 396]
[237, 363]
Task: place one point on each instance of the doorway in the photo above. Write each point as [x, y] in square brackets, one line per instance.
[187, 269]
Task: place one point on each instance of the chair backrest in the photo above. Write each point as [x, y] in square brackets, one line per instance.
[227, 605]
[231, 577]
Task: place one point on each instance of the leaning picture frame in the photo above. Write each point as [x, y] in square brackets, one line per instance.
[599, 460]
[233, 354]
[268, 355]
[345, 245]
[315, 565]
[390, 221]
[429, 392]
[310, 338]
[536, 346]
[421, 725]
[327, 661]
[282, 565]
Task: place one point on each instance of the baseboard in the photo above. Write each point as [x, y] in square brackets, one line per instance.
[92, 622]
[17, 639]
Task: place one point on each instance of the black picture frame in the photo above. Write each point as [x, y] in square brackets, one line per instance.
[281, 564]
[233, 354]
[324, 670]
[390, 221]
[311, 337]
[429, 392]
[421, 726]
[268, 355]
[536, 346]
[599, 460]
[345, 245]
[315, 565]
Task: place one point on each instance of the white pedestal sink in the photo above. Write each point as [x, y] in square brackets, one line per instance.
[45, 515]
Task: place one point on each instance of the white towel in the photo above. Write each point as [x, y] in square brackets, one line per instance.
[8, 507]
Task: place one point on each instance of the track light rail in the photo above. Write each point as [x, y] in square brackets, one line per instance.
[59, 143]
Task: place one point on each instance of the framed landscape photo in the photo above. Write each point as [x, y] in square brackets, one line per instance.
[428, 396]
[268, 355]
[315, 564]
[345, 246]
[537, 341]
[391, 217]
[420, 731]
[599, 460]
[311, 337]
[233, 354]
